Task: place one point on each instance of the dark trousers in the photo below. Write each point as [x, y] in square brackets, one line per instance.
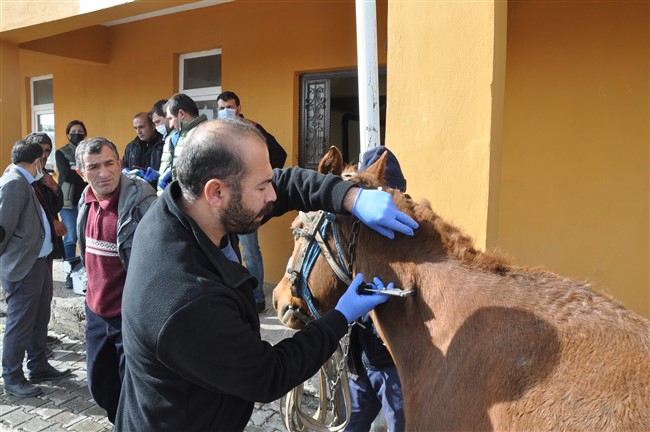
[371, 391]
[28, 313]
[105, 360]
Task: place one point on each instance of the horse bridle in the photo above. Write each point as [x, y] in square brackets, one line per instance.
[316, 234]
[335, 400]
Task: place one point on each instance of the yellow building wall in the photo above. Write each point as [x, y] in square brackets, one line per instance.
[556, 173]
[10, 125]
[445, 92]
[265, 46]
[24, 13]
[575, 183]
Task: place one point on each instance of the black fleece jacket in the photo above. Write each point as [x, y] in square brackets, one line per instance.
[195, 360]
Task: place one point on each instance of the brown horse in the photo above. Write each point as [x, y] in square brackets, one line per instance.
[485, 345]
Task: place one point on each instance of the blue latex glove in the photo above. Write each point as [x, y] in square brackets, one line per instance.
[376, 209]
[165, 179]
[151, 175]
[126, 171]
[354, 305]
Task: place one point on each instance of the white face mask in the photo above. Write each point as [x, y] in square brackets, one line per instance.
[162, 129]
[39, 174]
[227, 113]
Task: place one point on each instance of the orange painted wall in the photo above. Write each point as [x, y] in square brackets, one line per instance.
[265, 46]
[10, 120]
[563, 181]
[575, 164]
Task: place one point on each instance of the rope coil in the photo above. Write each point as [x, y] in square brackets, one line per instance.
[335, 404]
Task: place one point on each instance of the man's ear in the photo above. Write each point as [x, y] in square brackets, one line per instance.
[81, 174]
[215, 191]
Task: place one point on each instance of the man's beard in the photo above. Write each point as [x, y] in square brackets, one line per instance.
[240, 220]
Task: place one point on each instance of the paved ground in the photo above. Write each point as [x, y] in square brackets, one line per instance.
[66, 405]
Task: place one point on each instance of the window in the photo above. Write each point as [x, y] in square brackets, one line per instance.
[42, 90]
[199, 76]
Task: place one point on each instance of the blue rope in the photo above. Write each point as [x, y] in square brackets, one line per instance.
[307, 266]
[332, 218]
[310, 260]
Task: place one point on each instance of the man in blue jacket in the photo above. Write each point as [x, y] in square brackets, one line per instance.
[195, 360]
[374, 382]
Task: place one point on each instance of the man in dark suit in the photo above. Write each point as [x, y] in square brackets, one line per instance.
[25, 272]
[229, 106]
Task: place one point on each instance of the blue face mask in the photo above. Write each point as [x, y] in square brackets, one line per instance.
[227, 113]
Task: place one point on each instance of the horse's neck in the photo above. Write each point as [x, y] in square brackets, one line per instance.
[418, 329]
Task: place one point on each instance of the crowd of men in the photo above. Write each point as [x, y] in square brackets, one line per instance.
[178, 348]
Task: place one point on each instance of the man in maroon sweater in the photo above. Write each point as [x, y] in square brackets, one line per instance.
[113, 204]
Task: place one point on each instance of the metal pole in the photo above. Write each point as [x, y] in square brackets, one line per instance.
[369, 127]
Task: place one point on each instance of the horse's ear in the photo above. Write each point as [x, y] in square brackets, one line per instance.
[376, 170]
[332, 162]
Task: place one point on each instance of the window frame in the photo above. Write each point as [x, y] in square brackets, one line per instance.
[203, 93]
[43, 109]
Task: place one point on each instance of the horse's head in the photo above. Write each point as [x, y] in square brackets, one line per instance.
[319, 270]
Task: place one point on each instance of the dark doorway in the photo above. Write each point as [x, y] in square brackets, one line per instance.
[329, 115]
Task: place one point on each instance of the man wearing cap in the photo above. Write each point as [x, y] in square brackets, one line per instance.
[373, 379]
[25, 273]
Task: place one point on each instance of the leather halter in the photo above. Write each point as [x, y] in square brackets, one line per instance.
[316, 233]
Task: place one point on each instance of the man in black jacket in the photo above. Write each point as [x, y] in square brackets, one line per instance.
[53, 196]
[195, 360]
[145, 151]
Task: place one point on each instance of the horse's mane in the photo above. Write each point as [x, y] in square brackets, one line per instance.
[456, 243]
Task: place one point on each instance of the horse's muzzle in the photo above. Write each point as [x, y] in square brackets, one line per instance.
[294, 317]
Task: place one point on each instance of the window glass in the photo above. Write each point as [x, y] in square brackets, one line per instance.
[43, 93]
[201, 72]
[45, 123]
[200, 79]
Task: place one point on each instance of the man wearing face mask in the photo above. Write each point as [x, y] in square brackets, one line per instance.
[183, 116]
[159, 117]
[71, 186]
[229, 107]
[53, 199]
[145, 151]
[25, 273]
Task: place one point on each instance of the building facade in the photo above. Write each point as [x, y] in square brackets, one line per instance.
[524, 122]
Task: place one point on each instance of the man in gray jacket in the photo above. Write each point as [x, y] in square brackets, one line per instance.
[110, 209]
[24, 253]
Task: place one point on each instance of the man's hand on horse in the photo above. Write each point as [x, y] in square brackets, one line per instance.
[376, 209]
[354, 305]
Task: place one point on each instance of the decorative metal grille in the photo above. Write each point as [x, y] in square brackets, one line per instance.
[318, 95]
[314, 121]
